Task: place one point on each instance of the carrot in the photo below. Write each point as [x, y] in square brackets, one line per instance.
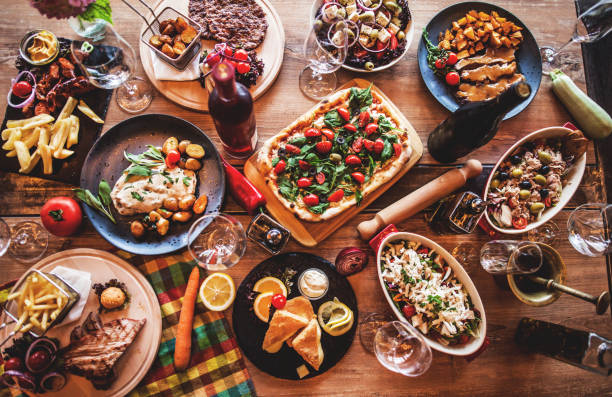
[182, 347]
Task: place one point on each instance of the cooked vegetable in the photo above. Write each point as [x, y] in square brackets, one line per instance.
[182, 147]
[171, 204]
[101, 202]
[155, 41]
[193, 164]
[186, 202]
[162, 226]
[593, 120]
[194, 150]
[181, 216]
[170, 144]
[200, 204]
[137, 229]
[182, 346]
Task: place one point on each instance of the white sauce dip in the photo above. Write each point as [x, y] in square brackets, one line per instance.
[313, 283]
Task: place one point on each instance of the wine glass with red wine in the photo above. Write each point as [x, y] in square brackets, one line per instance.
[511, 257]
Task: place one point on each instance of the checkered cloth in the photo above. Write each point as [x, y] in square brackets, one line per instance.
[217, 366]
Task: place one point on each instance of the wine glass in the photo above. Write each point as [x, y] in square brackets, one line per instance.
[325, 49]
[109, 62]
[217, 241]
[400, 348]
[26, 242]
[545, 234]
[589, 229]
[591, 25]
[368, 327]
[466, 254]
[511, 257]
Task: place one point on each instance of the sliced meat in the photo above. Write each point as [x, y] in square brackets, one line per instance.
[490, 57]
[488, 73]
[197, 12]
[240, 23]
[482, 92]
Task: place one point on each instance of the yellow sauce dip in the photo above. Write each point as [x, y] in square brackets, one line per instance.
[44, 46]
[313, 283]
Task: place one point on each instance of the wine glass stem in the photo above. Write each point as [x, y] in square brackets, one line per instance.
[557, 51]
[129, 87]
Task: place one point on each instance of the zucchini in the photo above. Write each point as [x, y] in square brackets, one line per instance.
[593, 120]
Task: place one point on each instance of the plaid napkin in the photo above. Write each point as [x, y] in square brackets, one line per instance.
[217, 366]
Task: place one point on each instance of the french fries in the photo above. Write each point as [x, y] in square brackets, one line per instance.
[38, 303]
[51, 137]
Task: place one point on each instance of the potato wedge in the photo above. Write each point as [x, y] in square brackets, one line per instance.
[63, 154]
[31, 122]
[188, 34]
[67, 109]
[181, 24]
[168, 51]
[14, 137]
[23, 155]
[73, 134]
[86, 110]
[33, 162]
[45, 154]
[194, 150]
[179, 47]
[155, 41]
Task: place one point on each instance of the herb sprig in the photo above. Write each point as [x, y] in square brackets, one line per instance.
[143, 164]
[101, 202]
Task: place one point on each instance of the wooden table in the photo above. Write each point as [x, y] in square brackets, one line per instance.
[503, 368]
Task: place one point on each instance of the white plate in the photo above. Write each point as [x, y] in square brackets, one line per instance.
[572, 181]
[409, 36]
[457, 350]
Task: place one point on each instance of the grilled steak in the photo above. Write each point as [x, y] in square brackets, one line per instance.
[240, 23]
[197, 12]
[483, 92]
[490, 57]
[95, 348]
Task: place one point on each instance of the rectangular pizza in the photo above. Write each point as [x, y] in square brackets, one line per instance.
[332, 157]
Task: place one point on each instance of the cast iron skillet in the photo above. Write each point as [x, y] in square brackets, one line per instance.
[528, 57]
[250, 330]
[105, 161]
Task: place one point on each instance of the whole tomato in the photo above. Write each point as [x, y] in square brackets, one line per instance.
[61, 216]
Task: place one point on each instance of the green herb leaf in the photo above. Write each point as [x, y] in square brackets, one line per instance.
[186, 181]
[138, 170]
[332, 119]
[275, 161]
[319, 208]
[299, 141]
[358, 196]
[384, 124]
[387, 151]
[100, 203]
[360, 99]
[100, 9]
[287, 189]
[137, 196]
[104, 192]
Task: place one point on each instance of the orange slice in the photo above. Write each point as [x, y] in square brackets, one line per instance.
[261, 307]
[270, 284]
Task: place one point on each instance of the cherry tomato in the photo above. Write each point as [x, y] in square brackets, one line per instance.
[364, 118]
[392, 41]
[233, 63]
[292, 149]
[22, 89]
[304, 182]
[61, 216]
[548, 202]
[13, 364]
[350, 127]
[39, 360]
[173, 156]
[303, 164]
[311, 199]
[344, 113]
[369, 145]
[280, 166]
[320, 177]
[336, 196]
[243, 67]
[379, 145]
[358, 176]
[463, 339]
[241, 55]
[440, 63]
[451, 59]
[312, 133]
[351, 159]
[397, 148]
[228, 51]
[328, 133]
[452, 78]
[408, 311]
[279, 301]
[371, 128]
[423, 251]
[323, 147]
[519, 223]
[357, 145]
[212, 59]
[379, 47]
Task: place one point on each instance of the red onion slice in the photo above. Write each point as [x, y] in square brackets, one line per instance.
[363, 7]
[351, 26]
[53, 381]
[41, 344]
[28, 100]
[351, 260]
[326, 5]
[19, 380]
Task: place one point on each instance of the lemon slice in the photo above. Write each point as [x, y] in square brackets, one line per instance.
[261, 306]
[217, 291]
[270, 284]
[335, 317]
[341, 330]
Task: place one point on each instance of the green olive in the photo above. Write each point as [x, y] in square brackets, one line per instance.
[401, 35]
[524, 194]
[390, 4]
[335, 158]
[517, 172]
[540, 179]
[350, 34]
[367, 16]
[340, 25]
[341, 12]
[536, 207]
[318, 25]
[495, 183]
[544, 157]
[369, 66]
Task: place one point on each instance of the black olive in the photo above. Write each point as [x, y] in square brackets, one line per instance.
[323, 199]
[525, 185]
[340, 140]
[544, 170]
[515, 159]
[544, 193]
[282, 152]
[312, 172]
[503, 175]
[529, 145]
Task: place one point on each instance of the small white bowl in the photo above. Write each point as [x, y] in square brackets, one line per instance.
[571, 182]
[456, 350]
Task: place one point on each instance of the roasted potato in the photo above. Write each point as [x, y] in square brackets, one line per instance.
[155, 41]
[154, 216]
[189, 173]
[182, 147]
[188, 34]
[194, 150]
[168, 51]
[200, 204]
[164, 38]
[164, 213]
[137, 229]
[162, 226]
[170, 144]
[178, 47]
[181, 24]
[186, 202]
[182, 216]
[171, 204]
[192, 164]
[164, 24]
[168, 29]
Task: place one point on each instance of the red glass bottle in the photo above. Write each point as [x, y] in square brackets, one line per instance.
[231, 107]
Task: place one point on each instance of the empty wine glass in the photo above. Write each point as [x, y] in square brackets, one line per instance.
[589, 229]
[401, 348]
[511, 257]
[217, 241]
[5, 237]
[591, 25]
[545, 234]
[325, 49]
[26, 242]
[368, 327]
[109, 62]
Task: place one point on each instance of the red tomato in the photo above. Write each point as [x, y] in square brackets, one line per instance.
[463, 339]
[292, 149]
[233, 63]
[243, 67]
[311, 199]
[13, 364]
[357, 145]
[358, 176]
[423, 251]
[452, 78]
[323, 147]
[22, 89]
[397, 148]
[519, 223]
[279, 301]
[364, 118]
[392, 41]
[303, 164]
[61, 216]
[329, 134]
[350, 127]
[369, 145]
[280, 166]
[173, 156]
[320, 177]
[344, 113]
[241, 55]
[548, 202]
[440, 63]
[228, 51]
[304, 182]
[408, 311]
[169, 163]
[336, 196]
[379, 145]
[379, 47]
[371, 128]
[451, 59]
[212, 59]
[351, 159]
[312, 133]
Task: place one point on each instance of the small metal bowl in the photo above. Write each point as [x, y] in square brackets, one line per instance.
[538, 295]
[299, 283]
[26, 41]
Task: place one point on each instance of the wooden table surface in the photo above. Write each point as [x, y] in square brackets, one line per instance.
[503, 368]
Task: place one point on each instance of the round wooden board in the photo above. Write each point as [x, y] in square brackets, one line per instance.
[139, 357]
[191, 94]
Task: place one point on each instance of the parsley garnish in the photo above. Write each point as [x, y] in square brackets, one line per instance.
[137, 196]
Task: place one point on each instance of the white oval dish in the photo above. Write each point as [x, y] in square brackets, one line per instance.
[409, 37]
[457, 350]
[572, 181]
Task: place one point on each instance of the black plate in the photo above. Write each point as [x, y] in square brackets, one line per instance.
[250, 330]
[105, 161]
[528, 57]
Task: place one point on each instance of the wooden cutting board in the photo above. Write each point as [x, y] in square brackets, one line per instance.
[312, 233]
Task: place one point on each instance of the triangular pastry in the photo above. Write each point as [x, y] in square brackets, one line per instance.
[300, 306]
[308, 344]
[282, 326]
